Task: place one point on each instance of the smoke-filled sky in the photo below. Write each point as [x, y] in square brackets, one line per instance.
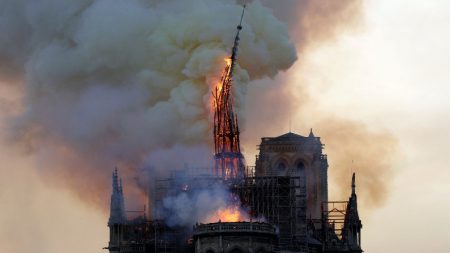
[88, 83]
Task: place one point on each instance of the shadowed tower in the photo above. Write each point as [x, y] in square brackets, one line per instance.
[293, 155]
[117, 216]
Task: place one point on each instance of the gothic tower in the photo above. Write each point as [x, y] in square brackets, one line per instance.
[297, 156]
[352, 225]
[117, 214]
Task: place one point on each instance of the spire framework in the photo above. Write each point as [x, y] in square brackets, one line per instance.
[229, 161]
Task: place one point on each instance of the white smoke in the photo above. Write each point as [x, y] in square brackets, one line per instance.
[118, 81]
[188, 208]
[196, 203]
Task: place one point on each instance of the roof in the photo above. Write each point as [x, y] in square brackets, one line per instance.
[288, 136]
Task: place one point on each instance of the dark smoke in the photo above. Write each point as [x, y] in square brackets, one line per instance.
[122, 82]
[126, 83]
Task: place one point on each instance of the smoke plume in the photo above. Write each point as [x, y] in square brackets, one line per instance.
[314, 22]
[351, 146]
[349, 143]
[123, 82]
[127, 83]
[204, 205]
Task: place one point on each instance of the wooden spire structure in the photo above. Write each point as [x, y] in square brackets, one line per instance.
[229, 161]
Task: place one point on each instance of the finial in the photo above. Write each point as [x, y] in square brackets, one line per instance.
[236, 44]
[290, 124]
[115, 183]
[353, 184]
[311, 134]
[242, 17]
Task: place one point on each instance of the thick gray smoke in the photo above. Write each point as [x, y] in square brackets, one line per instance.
[185, 209]
[124, 82]
[205, 205]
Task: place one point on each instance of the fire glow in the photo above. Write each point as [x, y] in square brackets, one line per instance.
[229, 214]
[225, 75]
[229, 160]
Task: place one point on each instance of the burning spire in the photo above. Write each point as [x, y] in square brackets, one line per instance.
[229, 159]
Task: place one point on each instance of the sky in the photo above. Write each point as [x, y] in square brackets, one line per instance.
[390, 73]
[393, 74]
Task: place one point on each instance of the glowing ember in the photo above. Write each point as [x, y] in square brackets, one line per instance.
[217, 89]
[229, 160]
[229, 214]
[228, 61]
[225, 75]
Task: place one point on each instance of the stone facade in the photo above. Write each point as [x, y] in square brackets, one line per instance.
[297, 156]
[235, 237]
[288, 189]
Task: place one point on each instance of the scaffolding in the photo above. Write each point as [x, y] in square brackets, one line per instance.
[146, 236]
[275, 199]
[330, 228]
[280, 201]
[333, 213]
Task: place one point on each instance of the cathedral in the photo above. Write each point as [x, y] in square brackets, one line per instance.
[288, 187]
[281, 203]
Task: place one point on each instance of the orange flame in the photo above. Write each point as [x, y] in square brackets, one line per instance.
[219, 84]
[224, 73]
[229, 214]
[228, 61]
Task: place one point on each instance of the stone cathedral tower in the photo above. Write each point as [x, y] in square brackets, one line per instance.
[297, 156]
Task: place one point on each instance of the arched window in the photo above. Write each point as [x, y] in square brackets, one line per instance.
[236, 250]
[301, 171]
[301, 168]
[282, 166]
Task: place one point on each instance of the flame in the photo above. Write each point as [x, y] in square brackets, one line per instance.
[219, 84]
[228, 61]
[225, 72]
[229, 214]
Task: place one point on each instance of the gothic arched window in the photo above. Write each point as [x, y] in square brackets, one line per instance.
[301, 167]
[282, 166]
[301, 170]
